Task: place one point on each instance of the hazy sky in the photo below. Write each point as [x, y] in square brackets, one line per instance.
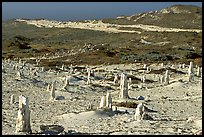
[65, 11]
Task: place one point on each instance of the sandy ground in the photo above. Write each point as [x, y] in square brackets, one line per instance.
[177, 107]
[100, 26]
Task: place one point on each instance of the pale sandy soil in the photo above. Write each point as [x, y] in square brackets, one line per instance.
[100, 26]
[177, 106]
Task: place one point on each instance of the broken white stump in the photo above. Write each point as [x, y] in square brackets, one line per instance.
[198, 72]
[88, 77]
[143, 79]
[90, 106]
[13, 67]
[148, 69]
[114, 108]
[19, 61]
[183, 65]
[139, 112]
[12, 100]
[108, 101]
[103, 102]
[191, 72]
[48, 87]
[162, 64]
[23, 119]
[66, 84]
[116, 79]
[123, 86]
[130, 83]
[43, 69]
[62, 68]
[161, 79]
[19, 76]
[180, 66]
[145, 66]
[166, 79]
[52, 91]
[190, 69]
[71, 69]
[35, 73]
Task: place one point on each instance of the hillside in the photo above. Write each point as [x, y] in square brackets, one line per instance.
[177, 16]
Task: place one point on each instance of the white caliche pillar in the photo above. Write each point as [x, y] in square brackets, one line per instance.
[123, 86]
[116, 79]
[139, 112]
[103, 102]
[62, 68]
[52, 91]
[145, 66]
[12, 100]
[162, 64]
[183, 65]
[23, 119]
[19, 75]
[191, 72]
[143, 78]
[108, 101]
[48, 87]
[161, 79]
[43, 69]
[198, 72]
[130, 83]
[66, 84]
[88, 77]
[166, 79]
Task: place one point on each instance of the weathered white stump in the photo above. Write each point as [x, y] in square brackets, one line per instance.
[143, 79]
[19, 75]
[123, 86]
[62, 68]
[48, 87]
[139, 112]
[13, 67]
[145, 66]
[71, 69]
[66, 84]
[23, 119]
[114, 108]
[116, 79]
[190, 69]
[180, 66]
[12, 100]
[35, 73]
[148, 69]
[130, 83]
[52, 91]
[191, 72]
[103, 102]
[108, 101]
[161, 79]
[198, 72]
[88, 77]
[90, 106]
[166, 80]
[43, 69]
[162, 64]
[19, 61]
[183, 65]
